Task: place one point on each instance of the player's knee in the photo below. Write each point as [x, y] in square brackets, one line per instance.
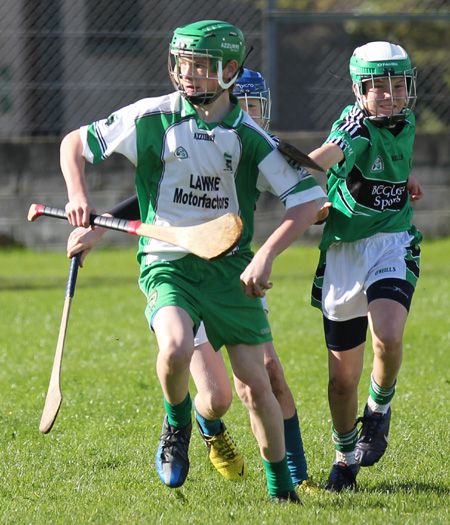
[276, 376]
[387, 338]
[389, 347]
[176, 357]
[254, 394]
[217, 404]
[343, 383]
[273, 367]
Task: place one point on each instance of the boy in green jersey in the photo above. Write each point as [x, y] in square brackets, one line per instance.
[197, 156]
[370, 251]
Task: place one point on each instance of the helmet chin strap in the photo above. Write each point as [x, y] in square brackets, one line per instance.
[205, 99]
[387, 121]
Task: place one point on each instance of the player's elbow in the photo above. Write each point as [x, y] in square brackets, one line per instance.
[72, 143]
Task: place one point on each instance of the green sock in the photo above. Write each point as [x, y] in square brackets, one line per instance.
[179, 415]
[345, 445]
[379, 394]
[279, 479]
[345, 442]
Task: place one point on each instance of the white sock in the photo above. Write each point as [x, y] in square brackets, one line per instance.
[375, 407]
[345, 457]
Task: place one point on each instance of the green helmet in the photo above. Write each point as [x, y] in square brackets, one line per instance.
[383, 59]
[219, 41]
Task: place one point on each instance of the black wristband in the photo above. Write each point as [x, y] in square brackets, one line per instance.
[127, 209]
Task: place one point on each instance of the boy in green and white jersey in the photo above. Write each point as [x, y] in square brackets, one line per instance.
[370, 251]
[198, 156]
[207, 367]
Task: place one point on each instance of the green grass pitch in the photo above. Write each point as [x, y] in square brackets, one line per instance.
[97, 463]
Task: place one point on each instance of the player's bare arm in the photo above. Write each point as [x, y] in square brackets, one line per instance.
[255, 278]
[327, 155]
[72, 162]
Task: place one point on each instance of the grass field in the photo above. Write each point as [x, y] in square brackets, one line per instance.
[97, 464]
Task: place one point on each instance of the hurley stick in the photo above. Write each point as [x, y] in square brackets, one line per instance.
[209, 240]
[54, 395]
[300, 158]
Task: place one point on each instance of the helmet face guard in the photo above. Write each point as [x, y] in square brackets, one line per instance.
[252, 87]
[212, 44]
[382, 60]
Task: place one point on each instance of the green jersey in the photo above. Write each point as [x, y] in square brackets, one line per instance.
[189, 171]
[368, 188]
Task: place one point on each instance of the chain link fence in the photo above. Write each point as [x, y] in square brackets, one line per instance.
[310, 47]
[64, 63]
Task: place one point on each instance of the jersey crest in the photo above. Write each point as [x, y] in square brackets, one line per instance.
[181, 153]
[378, 165]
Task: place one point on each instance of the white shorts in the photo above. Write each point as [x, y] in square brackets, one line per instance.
[201, 337]
[351, 267]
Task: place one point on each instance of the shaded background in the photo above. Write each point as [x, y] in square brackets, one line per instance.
[64, 63]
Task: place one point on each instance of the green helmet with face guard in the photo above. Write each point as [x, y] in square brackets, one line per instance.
[383, 60]
[219, 42]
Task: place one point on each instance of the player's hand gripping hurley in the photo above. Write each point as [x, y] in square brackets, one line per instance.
[54, 395]
[209, 240]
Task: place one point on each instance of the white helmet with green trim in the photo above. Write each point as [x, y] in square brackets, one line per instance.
[219, 42]
[383, 60]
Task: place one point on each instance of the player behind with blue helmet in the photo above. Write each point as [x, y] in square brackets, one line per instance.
[254, 96]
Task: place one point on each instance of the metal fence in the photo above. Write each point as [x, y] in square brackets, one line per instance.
[64, 63]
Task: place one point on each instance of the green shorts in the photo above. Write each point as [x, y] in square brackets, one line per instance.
[209, 291]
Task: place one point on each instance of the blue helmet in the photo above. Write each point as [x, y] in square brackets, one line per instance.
[249, 86]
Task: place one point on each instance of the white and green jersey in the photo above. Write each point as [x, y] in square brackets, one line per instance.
[189, 172]
[368, 188]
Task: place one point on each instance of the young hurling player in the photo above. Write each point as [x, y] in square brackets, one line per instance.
[177, 142]
[214, 394]
[370, 253]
